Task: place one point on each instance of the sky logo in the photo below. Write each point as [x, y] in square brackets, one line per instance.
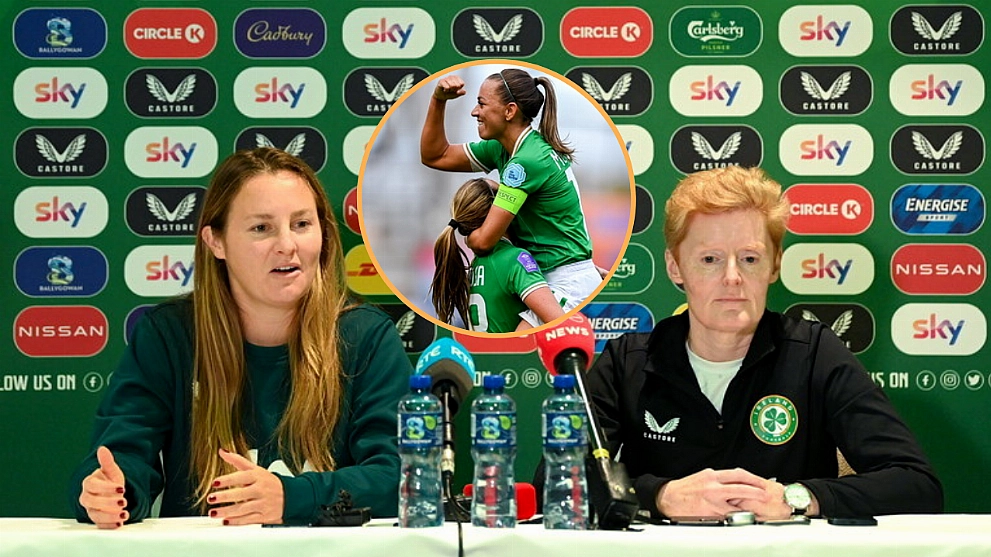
[847, 30]
[827, 268]
[936, 89]
[388, 33]
[166, 270]
[820, 31]
[709, 90]
[928, 89]
[61, 212]
[54, 92]
[819, 268]
[164, 151]
[826, 149]
[381, 32]
[55, 211]
[820, 149]
[280, 92]
[272, 92]
[159, 270]
[929, 328]
[939, 329]
[734, 91]
[44, 92]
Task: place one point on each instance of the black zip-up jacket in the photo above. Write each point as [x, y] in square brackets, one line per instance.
[798, 386]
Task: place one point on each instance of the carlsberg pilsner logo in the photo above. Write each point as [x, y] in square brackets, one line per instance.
[716, 31]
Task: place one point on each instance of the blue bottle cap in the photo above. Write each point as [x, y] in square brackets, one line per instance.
[419, 382]
[564, 381]
[494, 382]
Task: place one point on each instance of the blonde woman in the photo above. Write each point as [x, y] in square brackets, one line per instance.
[264, 392]
[502, 289]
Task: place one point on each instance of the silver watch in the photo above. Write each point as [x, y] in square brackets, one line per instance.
[798, 497]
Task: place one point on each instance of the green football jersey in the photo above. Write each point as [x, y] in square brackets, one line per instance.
[499, 282]
[538, 186]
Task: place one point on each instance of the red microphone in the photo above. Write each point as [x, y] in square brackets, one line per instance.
[567, 349]
[526, 499]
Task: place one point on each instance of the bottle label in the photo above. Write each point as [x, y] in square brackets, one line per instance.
[564, 430]
[493, 430]
[419, 430]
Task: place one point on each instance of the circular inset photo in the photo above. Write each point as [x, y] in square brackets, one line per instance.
[496, 197]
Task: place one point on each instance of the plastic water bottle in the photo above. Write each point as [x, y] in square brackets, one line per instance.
[493, 446]
[565, 444]
[420, 498]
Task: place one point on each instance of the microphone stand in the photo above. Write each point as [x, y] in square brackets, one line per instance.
[452, 508]
[611, 491]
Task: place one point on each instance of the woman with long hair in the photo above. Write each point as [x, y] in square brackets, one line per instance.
[499, 287]
[260, 395]
[538, 200]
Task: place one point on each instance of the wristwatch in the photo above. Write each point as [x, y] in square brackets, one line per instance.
[798, 497]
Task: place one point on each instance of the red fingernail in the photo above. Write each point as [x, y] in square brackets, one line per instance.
[121, 502]
[226, 522]
[119, 524]
[123, 516]
[213, 514]
[120, 490]
[211, 499]
[216, 483]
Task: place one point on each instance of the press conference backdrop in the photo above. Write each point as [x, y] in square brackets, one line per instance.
[873, 115]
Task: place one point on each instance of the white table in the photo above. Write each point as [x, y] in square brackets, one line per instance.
[895, 536]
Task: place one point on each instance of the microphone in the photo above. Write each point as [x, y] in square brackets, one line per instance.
[453, 372]
[567, 349]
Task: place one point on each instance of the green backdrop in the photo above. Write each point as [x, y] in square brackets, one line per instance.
[48, 398]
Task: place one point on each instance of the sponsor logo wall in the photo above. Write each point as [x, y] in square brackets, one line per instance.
[873, 116]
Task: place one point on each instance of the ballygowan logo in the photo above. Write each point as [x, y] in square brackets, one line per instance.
[852, 323]
[621, 90]
[774, 420]
[695, 148]
[497, 32]
[415, 332]
[170, 92]
[937, 30]
[60, 152]
[937, 149]
[300, 141]
[373, 91]
[834, 90]
[164, 211]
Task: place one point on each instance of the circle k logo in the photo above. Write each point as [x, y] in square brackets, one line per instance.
[606, 32]
[835, 269]
[958, 269]
[839, 209]
[170, 33]
[60, 331]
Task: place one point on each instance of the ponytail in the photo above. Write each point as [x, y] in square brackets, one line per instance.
[548, 123]
[450, 285]
[520, 88]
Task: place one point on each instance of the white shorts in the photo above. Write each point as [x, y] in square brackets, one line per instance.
[571, 285]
